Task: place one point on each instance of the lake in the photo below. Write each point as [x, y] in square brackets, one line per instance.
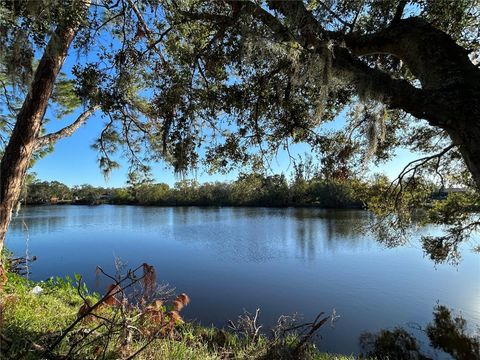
[282, 261]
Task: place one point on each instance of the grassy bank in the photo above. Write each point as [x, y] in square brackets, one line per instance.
[30, 323]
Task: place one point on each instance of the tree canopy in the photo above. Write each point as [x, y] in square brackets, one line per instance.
[225, 84]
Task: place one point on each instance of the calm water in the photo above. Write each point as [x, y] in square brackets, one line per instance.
[280, 260]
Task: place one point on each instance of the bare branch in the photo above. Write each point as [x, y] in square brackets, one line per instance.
[335, 15]
[140, 18]
[67, 130]
[120, 289]
[314, 326]
[7, 98]
[354, 22]
[413, 166]
[152, 339]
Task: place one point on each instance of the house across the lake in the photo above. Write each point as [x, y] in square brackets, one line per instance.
[442, 193]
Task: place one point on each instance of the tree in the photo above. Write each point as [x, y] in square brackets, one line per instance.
[25, 135]
[248, 189]
[405, 72]
[41, 192]
[275, 188]
[153, 194]
[87, 194]
[186, 192]
[243, 79]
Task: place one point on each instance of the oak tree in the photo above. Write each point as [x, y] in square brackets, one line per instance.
[242, 79]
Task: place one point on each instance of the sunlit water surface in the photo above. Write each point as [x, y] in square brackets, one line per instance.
[282, 261]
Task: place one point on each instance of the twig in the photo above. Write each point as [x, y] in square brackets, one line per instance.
[315, 326]
[413, 166]
[153, 338]
[82, 339]
[94, 306]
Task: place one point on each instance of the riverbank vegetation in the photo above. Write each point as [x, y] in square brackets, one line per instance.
[246, 190]
[60, 319]
[395, 211]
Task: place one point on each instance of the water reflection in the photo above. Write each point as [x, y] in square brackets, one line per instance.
[446, 333]
[309, 228]
[281, 260]
[265, 232]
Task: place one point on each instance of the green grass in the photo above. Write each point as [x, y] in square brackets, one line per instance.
[33, 321]
[28, 318]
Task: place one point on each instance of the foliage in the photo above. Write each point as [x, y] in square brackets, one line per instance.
[451, 335]
[247, 190]
[454, 212]
[153, 194]
[122, 196]
[43, 192]
[392, 344]
[88, 324]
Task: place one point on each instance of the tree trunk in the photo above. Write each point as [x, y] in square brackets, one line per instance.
[22, 143]
[465, 133]
[449, 97]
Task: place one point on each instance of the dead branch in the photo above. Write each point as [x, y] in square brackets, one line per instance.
[90, 310]
[67, 130]
[314, 326]
[247, 325]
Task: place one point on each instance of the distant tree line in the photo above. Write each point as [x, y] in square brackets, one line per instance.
[246, 190]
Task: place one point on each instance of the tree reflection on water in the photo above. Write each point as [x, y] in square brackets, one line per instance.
[446, 332]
